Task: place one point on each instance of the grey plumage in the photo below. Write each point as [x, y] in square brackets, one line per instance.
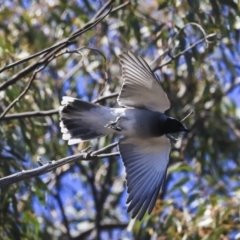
[141, 89]
[144, 148]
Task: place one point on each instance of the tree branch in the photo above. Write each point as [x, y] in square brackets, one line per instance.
[20, 176]
[30, 114]
[52, 51]
[120, 6]
[157, 61]
[25, 90]
[181, 53]
[49, 112]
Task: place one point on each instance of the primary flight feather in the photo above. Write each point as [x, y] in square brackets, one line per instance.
[144, 148]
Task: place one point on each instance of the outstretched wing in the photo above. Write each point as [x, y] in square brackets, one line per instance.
[146, 164]
[141, 88]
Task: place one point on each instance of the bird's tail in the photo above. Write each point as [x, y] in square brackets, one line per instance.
[82, 121]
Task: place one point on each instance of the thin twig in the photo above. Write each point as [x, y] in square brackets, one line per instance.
[101, 11]
[80, 63]
[183, 52]
[100, 99]
[157, 61]
[183, 28]
[96, 19]
[24, 91]
[189, 114]
[78, 51]
[120, 6]
[70, 73]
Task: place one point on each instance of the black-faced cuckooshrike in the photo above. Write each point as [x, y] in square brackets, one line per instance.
[141, 121]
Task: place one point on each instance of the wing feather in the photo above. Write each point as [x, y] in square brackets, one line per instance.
[146, 163]
[141, 88]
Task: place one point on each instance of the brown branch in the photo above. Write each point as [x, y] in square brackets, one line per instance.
[27, 174]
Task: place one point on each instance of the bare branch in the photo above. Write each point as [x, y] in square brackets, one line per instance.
[102, 10]
[30, 114]
[103, 150]
[78, 51]
[120, 6]
[52, 51]
[27, 174]
[189, 114]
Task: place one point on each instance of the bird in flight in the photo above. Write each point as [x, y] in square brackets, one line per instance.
[144, 146]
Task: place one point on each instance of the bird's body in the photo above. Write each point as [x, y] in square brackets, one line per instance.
[133, 122]
[142, 123]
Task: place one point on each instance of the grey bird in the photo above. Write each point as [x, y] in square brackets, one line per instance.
[144, 146]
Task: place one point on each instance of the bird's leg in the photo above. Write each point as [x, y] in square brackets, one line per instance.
[113, 126]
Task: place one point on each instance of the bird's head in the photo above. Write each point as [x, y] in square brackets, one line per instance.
[172, 125]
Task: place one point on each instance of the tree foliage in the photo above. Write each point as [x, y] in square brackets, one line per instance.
[49, 49]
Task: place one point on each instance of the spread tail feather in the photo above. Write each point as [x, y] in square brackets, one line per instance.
[82, 121]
